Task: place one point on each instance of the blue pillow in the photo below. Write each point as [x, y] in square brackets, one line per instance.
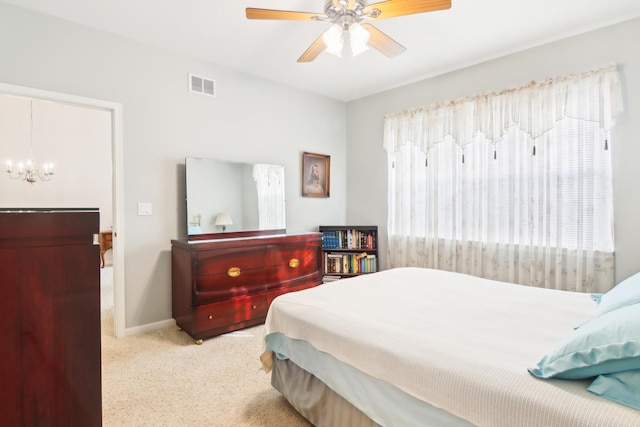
[596, 297]
[624, 293]
[605, 344]
[621, 387]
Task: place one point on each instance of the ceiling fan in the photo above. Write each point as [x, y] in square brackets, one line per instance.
[346, 16]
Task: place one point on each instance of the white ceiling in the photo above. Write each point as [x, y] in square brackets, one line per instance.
[472, 31]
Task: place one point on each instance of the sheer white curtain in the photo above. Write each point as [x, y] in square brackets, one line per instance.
[269, 182]
[513, 186]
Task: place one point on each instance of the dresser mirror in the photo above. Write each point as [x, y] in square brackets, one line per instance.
[230, 199]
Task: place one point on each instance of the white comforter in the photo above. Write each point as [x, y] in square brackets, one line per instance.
[458, 342]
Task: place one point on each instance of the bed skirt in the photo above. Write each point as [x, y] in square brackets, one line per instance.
[313, 399]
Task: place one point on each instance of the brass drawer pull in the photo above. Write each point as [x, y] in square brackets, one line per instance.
[254, 307]
[294, 262]
[210, 317]
[234, 271]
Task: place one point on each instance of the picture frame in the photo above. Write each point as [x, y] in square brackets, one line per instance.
[316, 172]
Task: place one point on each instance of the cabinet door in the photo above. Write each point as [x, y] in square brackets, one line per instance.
[59, 370]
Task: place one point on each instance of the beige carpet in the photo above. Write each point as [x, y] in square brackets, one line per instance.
[162, 378]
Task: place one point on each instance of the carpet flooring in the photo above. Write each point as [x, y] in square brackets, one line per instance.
[162, 378]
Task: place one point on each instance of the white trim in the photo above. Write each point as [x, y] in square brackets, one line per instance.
[118, 185]
[150, 327]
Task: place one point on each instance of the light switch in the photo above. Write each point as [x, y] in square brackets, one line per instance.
[144, 208]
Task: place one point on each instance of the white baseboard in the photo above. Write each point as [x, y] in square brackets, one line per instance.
[149, 327]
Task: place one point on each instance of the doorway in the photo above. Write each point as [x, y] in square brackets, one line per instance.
[115, 111]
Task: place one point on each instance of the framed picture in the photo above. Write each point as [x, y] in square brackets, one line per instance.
[315, 175]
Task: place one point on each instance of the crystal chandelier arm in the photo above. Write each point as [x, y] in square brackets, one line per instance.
[45, 175]
[14, 174]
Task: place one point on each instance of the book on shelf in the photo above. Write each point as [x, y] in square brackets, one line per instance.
[348, 239]
[361, 255]
[371, 263]
[330, 239]
[351, 263]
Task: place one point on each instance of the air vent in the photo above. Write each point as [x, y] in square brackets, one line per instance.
[202, 85]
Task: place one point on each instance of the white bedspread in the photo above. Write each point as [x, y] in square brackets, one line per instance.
[458, 342]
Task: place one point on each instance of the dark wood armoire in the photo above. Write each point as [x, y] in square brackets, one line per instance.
[50, 367]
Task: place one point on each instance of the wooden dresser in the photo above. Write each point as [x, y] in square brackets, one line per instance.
[228, 284]
[50, 368]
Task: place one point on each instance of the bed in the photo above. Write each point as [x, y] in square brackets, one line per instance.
[422, 347]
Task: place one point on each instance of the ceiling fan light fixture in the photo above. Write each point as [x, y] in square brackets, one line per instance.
[333, 39]
[345, 14]
[359, 37]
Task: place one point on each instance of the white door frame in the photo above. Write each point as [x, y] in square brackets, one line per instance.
[118, 177]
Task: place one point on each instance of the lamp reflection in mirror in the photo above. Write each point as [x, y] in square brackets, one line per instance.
[29, 172]
[223, 219]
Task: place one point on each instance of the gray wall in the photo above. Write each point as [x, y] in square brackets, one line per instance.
[367, 173]
[251, 120]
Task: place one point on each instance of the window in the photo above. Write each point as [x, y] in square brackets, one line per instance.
[514, 186]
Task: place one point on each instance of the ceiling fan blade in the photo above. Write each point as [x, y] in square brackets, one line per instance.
[285, 15]
[393, 8]
[382, 42]
[312, 52]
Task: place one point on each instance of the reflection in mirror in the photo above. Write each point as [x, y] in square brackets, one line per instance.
[225, 197]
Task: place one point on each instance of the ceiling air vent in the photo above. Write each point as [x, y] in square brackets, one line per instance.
[202, 85]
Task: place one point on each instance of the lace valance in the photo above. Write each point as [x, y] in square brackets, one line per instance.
[535, 108]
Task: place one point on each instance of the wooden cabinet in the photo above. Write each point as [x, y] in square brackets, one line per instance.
[50, 368]
[105, 239]
[228, 284]
[348, 250]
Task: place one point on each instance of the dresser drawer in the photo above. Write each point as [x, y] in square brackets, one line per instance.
[229, 284]
[223, 314]
[219, 261]
[289, 263]
[306, 253]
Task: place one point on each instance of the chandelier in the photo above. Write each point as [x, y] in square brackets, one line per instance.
[28, 171]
